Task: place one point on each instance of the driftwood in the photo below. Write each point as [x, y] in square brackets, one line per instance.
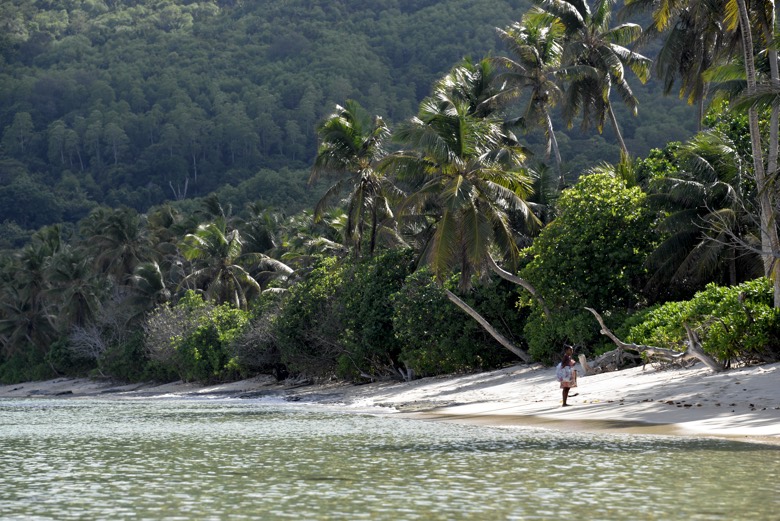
[693, 348]
[609, 361]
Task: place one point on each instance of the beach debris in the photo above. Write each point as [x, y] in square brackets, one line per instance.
[693, 349]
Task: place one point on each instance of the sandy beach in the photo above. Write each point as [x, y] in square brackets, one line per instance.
[741, 404]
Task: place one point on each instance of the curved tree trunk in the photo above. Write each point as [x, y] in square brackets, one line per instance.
[519, 281]
[522, 355]
[693, 350]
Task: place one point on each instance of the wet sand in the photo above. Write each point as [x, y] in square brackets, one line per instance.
[740, 404]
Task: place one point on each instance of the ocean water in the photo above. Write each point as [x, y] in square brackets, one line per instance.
[246, 459]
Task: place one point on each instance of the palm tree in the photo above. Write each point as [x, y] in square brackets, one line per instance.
[261, 229]
[220, 268]
[26, 317]
[351, 144]
[75, 292]
[740, 18]
[468, 178]
[118, 241]
[468, 175]
[694, 36]
[536, 73]
[148, 289]
[706, 218]
[597, 58]
[742, 21]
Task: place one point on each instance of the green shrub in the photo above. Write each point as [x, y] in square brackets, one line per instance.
[127, 362]
[735, 323]
[203, 355]
[547, 337]
[436, 337]
[25, 366]
[308, 327]
[370, 348]
[192, 339]
[591, 255]
[62, 358]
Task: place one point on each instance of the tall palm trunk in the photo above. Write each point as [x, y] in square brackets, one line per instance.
[769, 237]
[616, 128]
[555, 151]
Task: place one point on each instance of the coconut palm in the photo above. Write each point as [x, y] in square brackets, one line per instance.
[739, 16]
[753, 26]
[25, 322]
[468, 178]
[706, 218]
[220, 268]
[148, 289]
[535, 74]
[351, 144]
[601, 57]
[117, 240]
[75, 292]
[694, 36]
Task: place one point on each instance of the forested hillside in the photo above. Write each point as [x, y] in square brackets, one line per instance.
[135, 103]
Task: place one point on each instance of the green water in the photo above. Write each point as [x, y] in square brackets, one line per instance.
[236, 459]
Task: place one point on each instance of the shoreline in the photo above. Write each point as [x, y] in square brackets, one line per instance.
[739, 404]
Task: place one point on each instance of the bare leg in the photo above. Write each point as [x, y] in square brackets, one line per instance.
[565, 395]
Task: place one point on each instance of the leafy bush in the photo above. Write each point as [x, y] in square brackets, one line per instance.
[370, 348]
[735, 323]
[309, 326]
[591, 255]
[547, 338]
[126, 361]
[193, 338]
[25, 366]
[256, 350]
[203, 355]
[436, 337]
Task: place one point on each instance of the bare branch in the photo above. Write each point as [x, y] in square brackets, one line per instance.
[692, 350]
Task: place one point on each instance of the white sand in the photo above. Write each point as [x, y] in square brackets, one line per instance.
[739, 404]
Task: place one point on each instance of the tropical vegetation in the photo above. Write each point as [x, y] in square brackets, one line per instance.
[427, 241]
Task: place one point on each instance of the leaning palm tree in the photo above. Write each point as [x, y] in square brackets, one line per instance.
[468, 178]
[600, 54]
[351, 144]
[693, 35]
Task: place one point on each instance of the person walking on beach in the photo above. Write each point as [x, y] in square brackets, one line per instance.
[566, 374]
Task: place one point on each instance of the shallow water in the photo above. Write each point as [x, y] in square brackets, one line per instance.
[238, 459]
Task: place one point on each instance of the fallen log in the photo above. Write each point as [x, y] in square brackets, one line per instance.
[693, 349]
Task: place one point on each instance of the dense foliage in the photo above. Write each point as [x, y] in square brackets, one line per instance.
[599, 214]
[440, 243]
[735, 323]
